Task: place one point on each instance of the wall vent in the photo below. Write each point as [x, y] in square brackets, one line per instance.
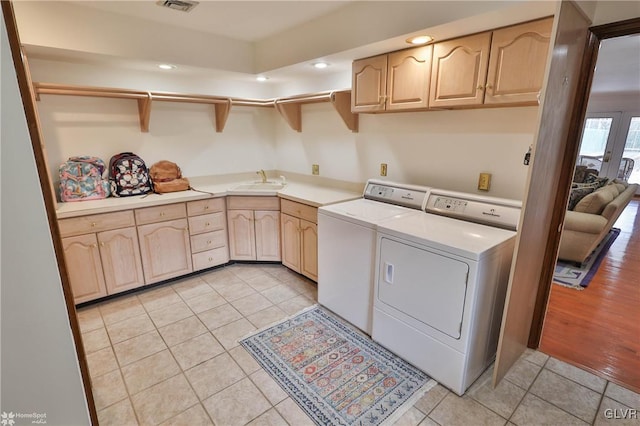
[181, 5]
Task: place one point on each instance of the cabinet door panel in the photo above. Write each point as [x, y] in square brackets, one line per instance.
[165, 250]
[290, 242]
[408, 78]
[242, 239]
[121, 262]
[459, 71]
[267, 227]
[309, 246]
[369, 79]
[518, 62]
[84, 267]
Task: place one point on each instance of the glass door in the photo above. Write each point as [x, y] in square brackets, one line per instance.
[597, 145]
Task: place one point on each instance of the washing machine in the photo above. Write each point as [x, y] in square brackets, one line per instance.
[440, 284]
[346, 246]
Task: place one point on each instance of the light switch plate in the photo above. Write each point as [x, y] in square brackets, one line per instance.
[315, 169]
[383, 169]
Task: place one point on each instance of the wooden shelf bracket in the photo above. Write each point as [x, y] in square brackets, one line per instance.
[292, 114]
[341, 102]
[222, 113]
[144, 110]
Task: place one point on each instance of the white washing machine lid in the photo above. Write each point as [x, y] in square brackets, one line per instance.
[455, 236]
[366, 212]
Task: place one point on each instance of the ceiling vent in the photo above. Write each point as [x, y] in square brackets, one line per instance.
[181, 5]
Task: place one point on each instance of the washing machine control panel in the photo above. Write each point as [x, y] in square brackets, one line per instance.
[403, 195]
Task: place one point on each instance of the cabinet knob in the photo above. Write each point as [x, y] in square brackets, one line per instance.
[94, 245]
[101, 243]
[480, 87]
[161, 213]
[209, 242]
[93, 224]
[207, 224]
[206, 207]
[489, 86]
[211, 259]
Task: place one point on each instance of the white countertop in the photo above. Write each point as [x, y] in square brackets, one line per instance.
[307, 193]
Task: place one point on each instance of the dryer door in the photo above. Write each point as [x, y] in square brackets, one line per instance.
[424, 285]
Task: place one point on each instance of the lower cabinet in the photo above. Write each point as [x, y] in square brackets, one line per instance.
[84, 267]
[300, 238]
[102, 254]
[121, 262]
[165, 250]
[254, 228]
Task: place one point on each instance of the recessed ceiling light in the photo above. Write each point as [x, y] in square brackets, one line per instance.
[320, 65]
[166, 67]
[262, 78]
[421, 39]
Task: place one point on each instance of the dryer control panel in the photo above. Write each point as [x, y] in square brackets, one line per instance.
[498, 212]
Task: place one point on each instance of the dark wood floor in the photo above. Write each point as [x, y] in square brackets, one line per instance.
[598, 329]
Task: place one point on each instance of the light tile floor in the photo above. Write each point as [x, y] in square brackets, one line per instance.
[170, 356]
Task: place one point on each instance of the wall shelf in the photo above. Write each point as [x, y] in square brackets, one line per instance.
[289, 107]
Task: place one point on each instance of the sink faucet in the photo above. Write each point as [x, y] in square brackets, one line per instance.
[263, 175]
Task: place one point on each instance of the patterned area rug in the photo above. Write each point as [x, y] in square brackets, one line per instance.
[336, 374]
[570, 275]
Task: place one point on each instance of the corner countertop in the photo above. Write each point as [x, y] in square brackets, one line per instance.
[311, 193]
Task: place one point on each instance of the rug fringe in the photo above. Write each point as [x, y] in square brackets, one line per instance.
[409, 403]
[575, 287]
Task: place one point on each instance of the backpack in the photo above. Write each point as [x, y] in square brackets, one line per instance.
[128, 175]
[81, 179]
[167, 177]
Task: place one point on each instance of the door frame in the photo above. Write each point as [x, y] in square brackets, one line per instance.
[596, 34]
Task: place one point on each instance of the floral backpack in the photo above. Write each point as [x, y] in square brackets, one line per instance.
[83, 178]
[128, 175]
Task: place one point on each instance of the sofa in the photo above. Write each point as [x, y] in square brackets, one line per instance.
[590, 218]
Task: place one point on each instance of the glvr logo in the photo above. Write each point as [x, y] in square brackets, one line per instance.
[7, 419]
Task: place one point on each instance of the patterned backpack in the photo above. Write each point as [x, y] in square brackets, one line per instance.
[81, 179]
[129, 175]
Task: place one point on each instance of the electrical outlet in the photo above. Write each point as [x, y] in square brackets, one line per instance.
[315, 169]
[484, 181]
[383, 169]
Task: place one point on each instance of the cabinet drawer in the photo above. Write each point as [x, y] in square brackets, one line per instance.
[195, 208]
[253, 203]
[95, 223]
[206, 223]
[160, 213]
[300, 210]
[210, 258]
[208, 241]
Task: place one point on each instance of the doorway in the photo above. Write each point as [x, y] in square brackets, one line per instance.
[596, 329]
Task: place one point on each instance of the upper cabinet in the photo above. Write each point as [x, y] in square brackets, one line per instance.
[503, 67]
[391, 82]
[517, 63]
[459, 70]
[500, 67]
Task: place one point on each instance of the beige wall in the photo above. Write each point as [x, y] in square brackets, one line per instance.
[446, 149]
